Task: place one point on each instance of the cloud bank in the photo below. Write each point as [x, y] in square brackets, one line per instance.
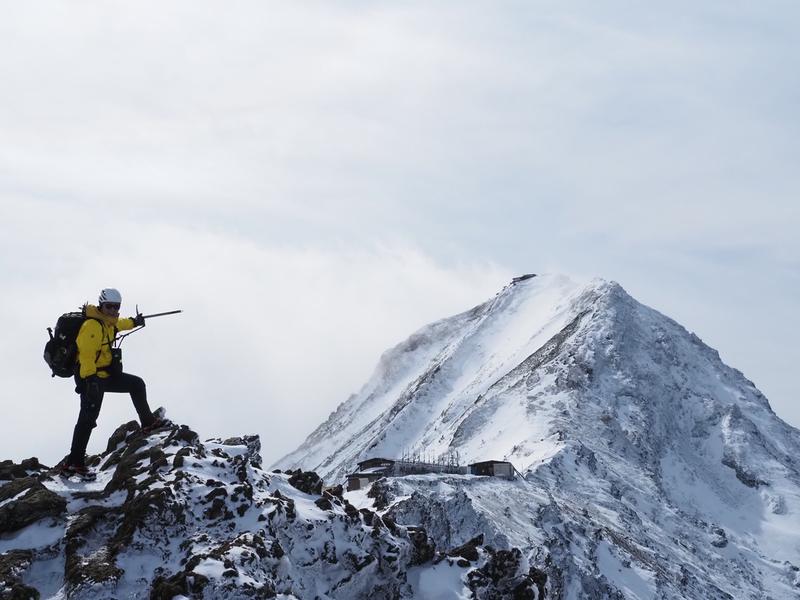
[312, 182]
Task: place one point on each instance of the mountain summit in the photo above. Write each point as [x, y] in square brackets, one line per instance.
[651, 468]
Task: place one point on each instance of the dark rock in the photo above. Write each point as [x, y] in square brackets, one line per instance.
[219, 492]
[499, 578]
[336, 491]
[180, 455]
[328, 553]
[120, 434]
[128, 468]
[13, 565]
[32, 464]
[184, 434]
[245, 490]
[720, 539]
[351, 512]
[28, 467]
[35, 502]
[144, 485]
[150, 505]
[253, 444]
[95, 495]
[291, 513]
[539, 579]
[308, 482]
[424, 548]
[185, 583]
[367, 515]
[390, 523]
[216, 510]
[98, 566]
[112, 460]
[357, 562]
[20, 591]
[742, 474]
[277, 549]
[157, 456]
[468, 551]
[324, 504]
[381, 494]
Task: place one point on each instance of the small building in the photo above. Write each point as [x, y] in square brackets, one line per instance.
[372, 469]
[493, 468]
[357, 481]
[369, 470]
[373, 463]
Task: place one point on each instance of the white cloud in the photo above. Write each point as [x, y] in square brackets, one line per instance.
[404, 159]
[271, 340]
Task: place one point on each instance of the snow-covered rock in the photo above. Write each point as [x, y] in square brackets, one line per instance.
[170, 516]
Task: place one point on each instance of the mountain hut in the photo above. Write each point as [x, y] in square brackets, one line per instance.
[493, 468]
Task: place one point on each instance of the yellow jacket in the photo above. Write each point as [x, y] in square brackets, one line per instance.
[94, 341]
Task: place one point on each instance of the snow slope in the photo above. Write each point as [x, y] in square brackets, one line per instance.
[427, 392]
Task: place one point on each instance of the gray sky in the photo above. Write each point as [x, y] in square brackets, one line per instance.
[312, 182]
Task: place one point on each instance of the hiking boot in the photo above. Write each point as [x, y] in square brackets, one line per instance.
[81, 472]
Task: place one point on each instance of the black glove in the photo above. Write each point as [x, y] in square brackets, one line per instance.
[93, 387]
[138, 320]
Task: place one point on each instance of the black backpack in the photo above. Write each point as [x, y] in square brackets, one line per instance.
[60, 351]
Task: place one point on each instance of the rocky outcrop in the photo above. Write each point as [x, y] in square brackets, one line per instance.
[27, 468]
[502, 577]
[12, 565]
[26, 501]
[308, 482]
[176, 516]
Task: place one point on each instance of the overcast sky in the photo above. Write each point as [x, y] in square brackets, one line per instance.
[311, 182]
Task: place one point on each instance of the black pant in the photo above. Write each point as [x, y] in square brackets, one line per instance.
[91, 403]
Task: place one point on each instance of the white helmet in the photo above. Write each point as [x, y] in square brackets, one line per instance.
[110, 295]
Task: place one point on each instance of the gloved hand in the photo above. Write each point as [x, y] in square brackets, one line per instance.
[93, 387]
[138, 320]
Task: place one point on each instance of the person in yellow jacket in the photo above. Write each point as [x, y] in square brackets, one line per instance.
[97, 372]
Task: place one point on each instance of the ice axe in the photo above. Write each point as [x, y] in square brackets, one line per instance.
[161, 314]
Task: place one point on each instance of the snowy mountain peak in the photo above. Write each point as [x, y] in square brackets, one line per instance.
[433, 391]
[622, 422]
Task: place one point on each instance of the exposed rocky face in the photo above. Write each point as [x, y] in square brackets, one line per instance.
[171, 516]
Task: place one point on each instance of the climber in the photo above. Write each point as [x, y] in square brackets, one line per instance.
[98, 370]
